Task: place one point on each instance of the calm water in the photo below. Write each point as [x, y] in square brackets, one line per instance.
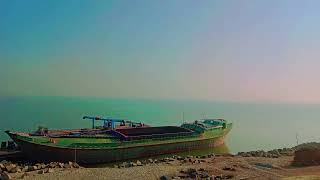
[256, 126]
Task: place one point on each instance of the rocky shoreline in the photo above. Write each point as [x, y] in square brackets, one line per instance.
[276, 153]
[272, 164]
[10, 170]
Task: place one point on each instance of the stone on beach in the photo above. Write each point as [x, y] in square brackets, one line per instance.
[48, 170]
[132, 164]
[5, 176]
[18, 169]
[27, 168]
[41, 171]
[274, 153]
[70, 163]
[24, 175]
[286, 151]
[34, 168]
[229, 168]
[38, 165]
[203, 157]
[138, 163]
[61, 165]
[67, 165]
[124, 165]
[75, 165]
[54, 165]
[192, 172]
[204, 175]
[164, 178]
[2, 166]
[11, 168]
[264, 165]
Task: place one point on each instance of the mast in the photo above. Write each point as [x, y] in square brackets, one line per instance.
[183, 117]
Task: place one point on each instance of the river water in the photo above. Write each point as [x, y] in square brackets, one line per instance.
[256, 125]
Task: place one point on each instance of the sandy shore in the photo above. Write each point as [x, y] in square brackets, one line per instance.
[274, 164]
[218, 167]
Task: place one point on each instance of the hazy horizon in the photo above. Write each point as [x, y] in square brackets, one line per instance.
[241, 51]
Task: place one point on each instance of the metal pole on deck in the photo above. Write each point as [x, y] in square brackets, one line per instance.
[182, 117]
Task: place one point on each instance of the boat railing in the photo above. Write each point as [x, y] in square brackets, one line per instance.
[121, 143]
[168, 135]
[93, 145]
[126, 142]
[117, 134]
[24, 138]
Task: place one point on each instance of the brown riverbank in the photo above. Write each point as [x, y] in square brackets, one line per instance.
[215, 167]
[222, 167]
[275, 164]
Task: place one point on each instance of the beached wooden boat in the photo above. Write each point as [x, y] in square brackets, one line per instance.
[114, 143]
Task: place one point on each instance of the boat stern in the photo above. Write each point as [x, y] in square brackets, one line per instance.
[10, 134]
[14, 136]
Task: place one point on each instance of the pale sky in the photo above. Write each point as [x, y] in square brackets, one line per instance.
[248, 50]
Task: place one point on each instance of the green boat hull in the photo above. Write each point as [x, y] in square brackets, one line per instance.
[42, 152]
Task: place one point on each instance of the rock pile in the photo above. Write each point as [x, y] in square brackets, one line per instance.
[8, 167]
[168, 160]
[309, 145]
[276, 153]
[5, 176]
[195, 174]
[200, 173]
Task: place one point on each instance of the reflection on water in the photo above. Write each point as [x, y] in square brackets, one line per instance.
[223, 149]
